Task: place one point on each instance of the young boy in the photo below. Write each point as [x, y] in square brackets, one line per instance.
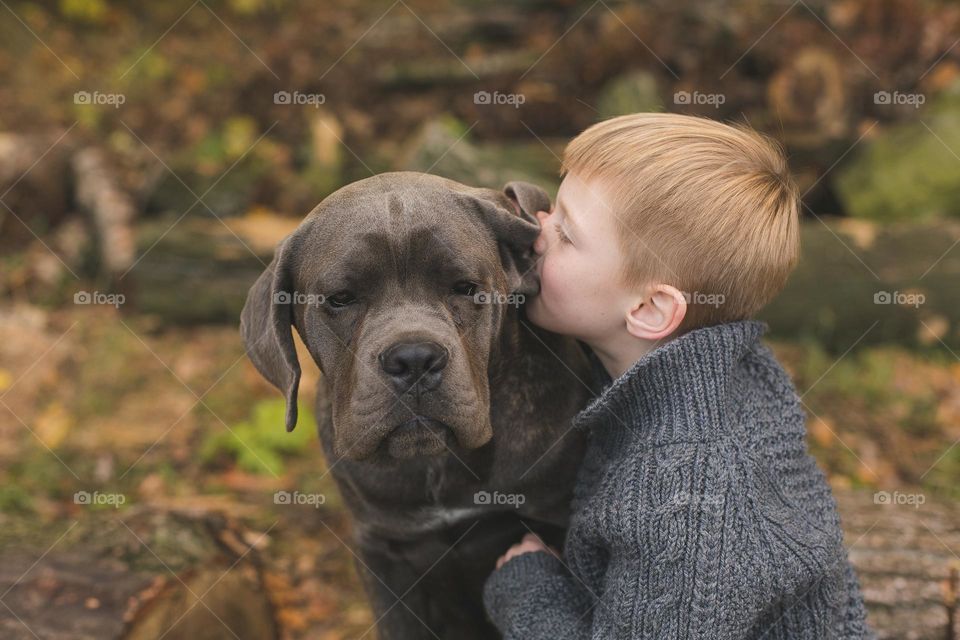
[697, 512]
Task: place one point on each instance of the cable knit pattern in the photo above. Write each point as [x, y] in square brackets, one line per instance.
[697, 512]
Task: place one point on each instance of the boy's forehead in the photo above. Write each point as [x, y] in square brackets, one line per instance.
[584, 198]
[576, 187]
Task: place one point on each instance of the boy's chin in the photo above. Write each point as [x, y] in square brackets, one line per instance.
[535, 314]
[540, 316]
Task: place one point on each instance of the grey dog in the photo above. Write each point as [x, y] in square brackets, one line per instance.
[444, 415]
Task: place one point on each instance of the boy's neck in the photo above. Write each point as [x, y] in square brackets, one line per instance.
[618, 353]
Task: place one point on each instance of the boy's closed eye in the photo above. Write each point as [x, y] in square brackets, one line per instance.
[562, 235]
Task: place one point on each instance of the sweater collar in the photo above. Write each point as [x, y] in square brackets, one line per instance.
[677, 391]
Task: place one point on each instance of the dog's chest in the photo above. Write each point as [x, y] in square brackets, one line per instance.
[439, 483]
[430, 518]
[435, 480]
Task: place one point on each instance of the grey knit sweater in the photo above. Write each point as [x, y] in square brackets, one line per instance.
[697, 512]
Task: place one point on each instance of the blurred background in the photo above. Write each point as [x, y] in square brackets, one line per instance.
[152, 154]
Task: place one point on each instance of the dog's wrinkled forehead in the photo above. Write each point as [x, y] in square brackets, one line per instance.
[402, 225]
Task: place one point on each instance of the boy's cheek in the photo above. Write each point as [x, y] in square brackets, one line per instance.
[536, 312]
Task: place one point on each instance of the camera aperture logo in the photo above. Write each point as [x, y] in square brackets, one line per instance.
[698, 98]
[901, 298]
[689, 501]
[99, 99]
[296, 497]
[897, 498]
[298, 98]
[496, 98]
[486, 498]
[299, 297]
[497, 297]
[699, 297]
[99, 297]
[98, 499]
[896, 98]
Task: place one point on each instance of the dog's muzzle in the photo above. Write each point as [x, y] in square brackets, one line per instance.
[419, 436]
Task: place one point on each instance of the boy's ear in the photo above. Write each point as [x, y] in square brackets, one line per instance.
[659, 315]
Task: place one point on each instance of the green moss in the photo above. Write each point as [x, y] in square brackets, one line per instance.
[908, 171]
[260, 444]
[15, 499]
[630, 93]
[91, 11]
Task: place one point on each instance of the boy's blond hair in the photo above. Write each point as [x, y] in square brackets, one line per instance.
[706, 207]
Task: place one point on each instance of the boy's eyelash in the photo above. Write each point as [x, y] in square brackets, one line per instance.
[563, 237]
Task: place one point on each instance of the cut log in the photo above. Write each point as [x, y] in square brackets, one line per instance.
[110, 207]
[904, 557]
[132, 575]
[901, 279]
[198, 270]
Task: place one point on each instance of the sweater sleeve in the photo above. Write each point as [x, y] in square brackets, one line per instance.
[699, 545]
[533, 595]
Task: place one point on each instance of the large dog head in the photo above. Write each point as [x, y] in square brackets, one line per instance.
[398, 285]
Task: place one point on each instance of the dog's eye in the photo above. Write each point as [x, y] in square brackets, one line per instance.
[465, 288]
[341, 299]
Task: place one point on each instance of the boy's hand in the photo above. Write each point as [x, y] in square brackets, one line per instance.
[530, 542]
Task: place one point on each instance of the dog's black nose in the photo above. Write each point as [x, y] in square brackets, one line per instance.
[410, 364]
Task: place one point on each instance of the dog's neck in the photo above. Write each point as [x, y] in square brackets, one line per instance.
[509, 343]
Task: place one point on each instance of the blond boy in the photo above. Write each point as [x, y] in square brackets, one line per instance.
[698, 512]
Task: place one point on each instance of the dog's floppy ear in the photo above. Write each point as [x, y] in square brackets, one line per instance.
[520, 263]
[515, 225]
[529, 197]
[266, 325]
